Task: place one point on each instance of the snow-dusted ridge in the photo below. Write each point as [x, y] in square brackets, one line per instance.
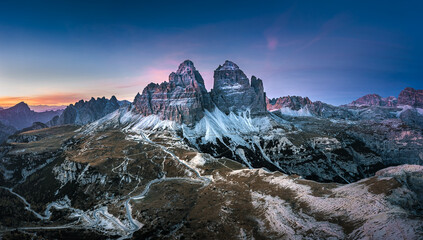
[241, 129]
[302, 112]
[214, 125]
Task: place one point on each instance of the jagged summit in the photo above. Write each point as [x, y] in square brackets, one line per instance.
[374, 100]
[186, 67]
[83, 112]
[187, 75]
[293, 102]
[183, 99]
[228, 65]
[412, 97]
[232, 91]
[21, 107]
[21, 116]
[409, 97]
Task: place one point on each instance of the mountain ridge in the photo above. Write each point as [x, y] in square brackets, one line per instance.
[147, 170]
[21, 116]
[84, 112]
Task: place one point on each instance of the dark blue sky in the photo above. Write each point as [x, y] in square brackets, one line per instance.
[334, 51]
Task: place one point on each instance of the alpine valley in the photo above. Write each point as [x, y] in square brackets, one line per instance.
[180, 162]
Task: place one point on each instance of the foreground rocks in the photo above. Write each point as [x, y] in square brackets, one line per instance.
[186, 164]
[174, 190]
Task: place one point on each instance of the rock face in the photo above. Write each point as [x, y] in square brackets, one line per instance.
[183, 99]
[92, 179]
[303, 106]
[84, 112]
[292, 102]
[21, 116]
[5, 132]
[412, 117]
[390, 101]
[35, 126]
[374, 100]
[232, 91]
[411, 97]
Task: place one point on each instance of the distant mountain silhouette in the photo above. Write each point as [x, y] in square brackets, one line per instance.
[21, 116]
[84, 112]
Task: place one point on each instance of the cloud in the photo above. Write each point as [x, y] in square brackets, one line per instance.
[328, 27]
[273, 31]
[150, 74]
[272, 43]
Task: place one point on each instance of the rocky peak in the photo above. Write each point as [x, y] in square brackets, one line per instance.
[183, 99]
[390, 101]
[186, 67]
[20, 108]
[374, 100]
[228, 65]
[83, 112]
[257, 84]
[292, 102]
[367, 100]
[21, 116]
[411, 97]
[232, 91]
[187, 75]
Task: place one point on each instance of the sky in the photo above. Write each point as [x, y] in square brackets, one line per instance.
[57, 52]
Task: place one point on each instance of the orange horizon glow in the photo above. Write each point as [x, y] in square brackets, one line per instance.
[50, 100]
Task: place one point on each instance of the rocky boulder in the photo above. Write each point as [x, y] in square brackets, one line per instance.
[232, 91]
[183, 99]
[411, 97]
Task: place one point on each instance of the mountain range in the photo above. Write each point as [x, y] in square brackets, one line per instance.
[180, 162]
[21, 116]
[84, 112]
[44, 108]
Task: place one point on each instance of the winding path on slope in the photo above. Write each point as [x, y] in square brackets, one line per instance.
[93, 218]
[204, 180]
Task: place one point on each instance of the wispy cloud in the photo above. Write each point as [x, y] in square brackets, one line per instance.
[329, 26]
[272, 43]
[272, 32]
[150, 74]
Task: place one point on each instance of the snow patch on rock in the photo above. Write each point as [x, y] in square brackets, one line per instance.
[302, 112]
[293, 225]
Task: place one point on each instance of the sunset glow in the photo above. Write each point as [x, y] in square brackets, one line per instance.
[51, 100]
[53, 56]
